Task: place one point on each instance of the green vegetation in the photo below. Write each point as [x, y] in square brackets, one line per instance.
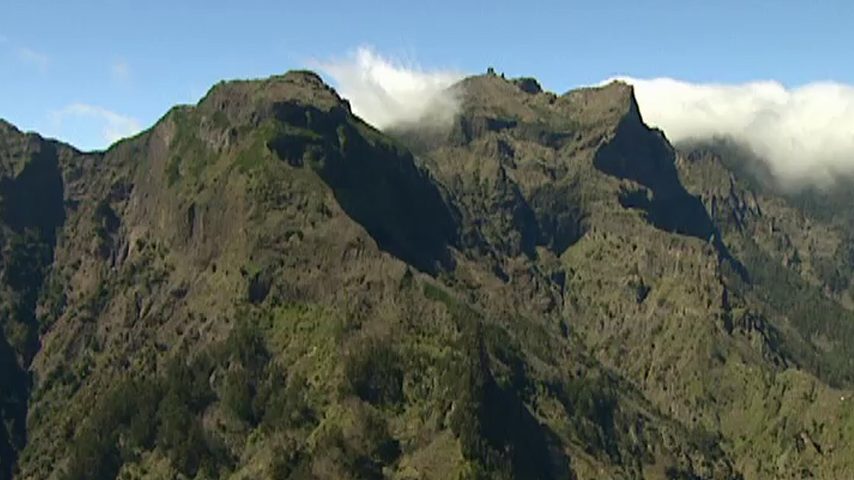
[25, 262]
[189, 154]
[374, 372]
[166, 413]
[26, 259]
[813, 315]
[139, 415]
[544, 292]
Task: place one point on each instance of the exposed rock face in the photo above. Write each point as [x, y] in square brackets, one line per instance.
[263, 286]
[31, 216]
[678, 289]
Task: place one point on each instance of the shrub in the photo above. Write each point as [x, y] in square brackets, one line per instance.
[119, 427]
[285, 405]
[374, 373]
[140, 414]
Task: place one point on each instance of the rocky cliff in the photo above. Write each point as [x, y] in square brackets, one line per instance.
[264, 286]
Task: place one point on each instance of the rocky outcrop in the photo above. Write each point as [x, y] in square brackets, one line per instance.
[264, 286]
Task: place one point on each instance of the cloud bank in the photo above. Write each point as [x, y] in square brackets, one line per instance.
[82, 124]
[386, 92]
[805, 134]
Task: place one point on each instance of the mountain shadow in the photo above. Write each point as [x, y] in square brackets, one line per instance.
[643, 155]
[377, 183]
[31, 205]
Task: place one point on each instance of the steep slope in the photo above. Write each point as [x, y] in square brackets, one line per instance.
[651, 272]
[262, 202]
[31, 213]
[798, 260]
[797, 294]
[264, 286]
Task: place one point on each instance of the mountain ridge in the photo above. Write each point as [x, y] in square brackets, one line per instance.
[291, 293]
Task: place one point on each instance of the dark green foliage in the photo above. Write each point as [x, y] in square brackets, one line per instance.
[32, 205]
[811, 313]
[591, 404]
[289, 462]
[496, 430]
[181, 435]
[508, 363]
[360, 452]
[14, 389]
[119, 427]
[237, 392]
[470, 380]
[254, 388]
[560, 215]
[374, 372]
[461, 312]
[186, 395]
[96, 302]
[54, 299]
[139, 415]
[706, 441]
[106, 224]
[673, 473]
[246, 347]
[284, 405]
[26, 259]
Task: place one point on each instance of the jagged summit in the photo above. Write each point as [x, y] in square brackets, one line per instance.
[607, 102]
[299, 86]
[264, 286]
[483, 93]
[7, 127]
[494, 100]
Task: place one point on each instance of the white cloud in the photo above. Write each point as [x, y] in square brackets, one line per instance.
[386, 92]
[120, 71]
[90, 126]
[32, 57]
[805, 134]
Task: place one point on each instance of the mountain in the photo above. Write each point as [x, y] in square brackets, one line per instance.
[264, 286]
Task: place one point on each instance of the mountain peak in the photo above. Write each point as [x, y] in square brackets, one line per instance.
[298, 86]
[7, 129]
[523, 99]
[264, 285]
[612, 101]
[499, 83]
[4, 125]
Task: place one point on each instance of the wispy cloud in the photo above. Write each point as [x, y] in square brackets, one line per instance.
[805, 134]
[385, 91]
[69, 121]
[32, 57]
[120, 70]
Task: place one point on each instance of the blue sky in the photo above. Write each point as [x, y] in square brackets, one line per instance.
[87, 71]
